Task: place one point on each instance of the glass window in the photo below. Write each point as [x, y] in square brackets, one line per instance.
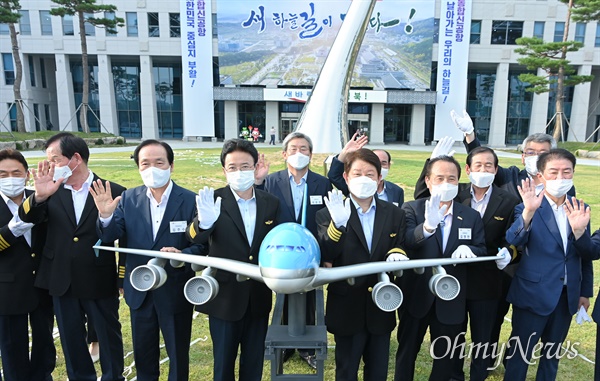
[506, 32]
[597, 42]
[475, 31]
[167, 84]
[568, 93]
[519, 109]
[24, 23]
[12, 114]
[397, 120]
[94, 100]
[132, 24]
[110, 16]
[252, 114]
[127, 96]
[43, 72]
[46, 23]
[67, 24]
[580, 32]
[48, 118]
[153, 26]
[9, 68]
[538, 29]
[90, 30]
[4, 29]
[31, 71]
[36, 116]
[559, 31]
[480, 97]
[436, 30]
[174, 25]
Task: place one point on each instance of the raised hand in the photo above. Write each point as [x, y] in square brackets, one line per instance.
[209, 209]
[103, 199]
[262, 170]
[433, 213]
[443, 147]
[463, 123]
[338, 209]
[531, 201]
[354, 144]
[43, 181]
[578, 215]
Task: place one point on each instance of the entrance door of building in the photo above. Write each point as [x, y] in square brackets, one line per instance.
[354, 125]
[286, 126]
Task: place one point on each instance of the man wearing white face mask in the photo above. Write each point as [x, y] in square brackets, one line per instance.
[21, 303]
[386, 190]
[436, 227]
[235, 220]
[82, 282]
[153, 216]
[361, 229]
[288, 186]
[545, 292]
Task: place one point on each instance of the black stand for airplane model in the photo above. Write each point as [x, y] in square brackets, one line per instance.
[296, 335]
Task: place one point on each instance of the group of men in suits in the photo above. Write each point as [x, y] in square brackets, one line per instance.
[71, 209]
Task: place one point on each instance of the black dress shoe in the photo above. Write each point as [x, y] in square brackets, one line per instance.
[311, 360]
[287, 353]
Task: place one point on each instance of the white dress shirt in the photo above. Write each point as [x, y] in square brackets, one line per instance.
[248, 212]
[297, 192]
[367, 220]
[481, 205]
[157, 209]
[383, 195]
[80, 195]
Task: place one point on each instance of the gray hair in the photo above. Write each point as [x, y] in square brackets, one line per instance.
[297, 135]
[539, 137]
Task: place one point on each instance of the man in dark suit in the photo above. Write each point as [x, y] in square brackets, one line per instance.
[235, 224]
[80, 281]
[594, 253]
[362, 229]
[436, 227]
[545, 292]
[21, 303]
[154, 217]
[288, 186]
[386, 190]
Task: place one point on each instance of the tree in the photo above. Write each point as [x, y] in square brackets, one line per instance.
[83, 9]
[9, 14]
[552, 58]
[585, 10]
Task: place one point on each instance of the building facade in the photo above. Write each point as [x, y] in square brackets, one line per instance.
[136, 78]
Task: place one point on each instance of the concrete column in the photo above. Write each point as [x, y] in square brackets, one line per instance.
[231, 120]
[376, 129]
[148, 99]
[271, 120]
[67, 120]
[580, 107]
[497, 137]
[417, 126]
[539, 110]
[106, 92]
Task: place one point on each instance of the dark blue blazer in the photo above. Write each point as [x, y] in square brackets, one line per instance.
[132, 219]
[593, 252]
[395, 194]
[538, 281]
[278, 184]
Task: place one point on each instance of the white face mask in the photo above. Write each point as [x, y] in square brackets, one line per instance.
[155, 177]
[298, 160]
[481, 179]
[12, 186]
[362, 187]
[559, 187]
[65, 172]
[240, 180]
[531, 165]
[447, 191]
[384, 173]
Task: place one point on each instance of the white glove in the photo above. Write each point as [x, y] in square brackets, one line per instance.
[582, 316]
[209, 209]
[396, 257]
[338, 209]
[18, 227]
[463, 123]
[433, 213]
[443, 147]
[462, 252]
[503, 258]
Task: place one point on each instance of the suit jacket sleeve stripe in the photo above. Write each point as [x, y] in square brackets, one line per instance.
[333, 233]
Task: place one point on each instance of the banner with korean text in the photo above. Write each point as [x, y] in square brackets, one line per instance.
[196, 66]
[453, 63]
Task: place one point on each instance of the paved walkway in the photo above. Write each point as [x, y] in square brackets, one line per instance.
[179, 144]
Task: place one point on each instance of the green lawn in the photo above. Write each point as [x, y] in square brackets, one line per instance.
[197, 168]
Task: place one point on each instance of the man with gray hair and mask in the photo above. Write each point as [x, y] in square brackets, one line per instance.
[288, 186]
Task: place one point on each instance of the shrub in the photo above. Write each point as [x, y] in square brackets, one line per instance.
[99, 142]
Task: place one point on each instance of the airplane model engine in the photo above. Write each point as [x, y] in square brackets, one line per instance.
[150, 276]
[386, 295]
[176, 264]
[201, 289]
[442, 285]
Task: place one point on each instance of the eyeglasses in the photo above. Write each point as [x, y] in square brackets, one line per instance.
[242, 168]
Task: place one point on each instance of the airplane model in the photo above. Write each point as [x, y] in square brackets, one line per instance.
[288, 263]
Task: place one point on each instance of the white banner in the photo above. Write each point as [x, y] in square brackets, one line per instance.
[301, 95]
[453, 63]
[196, 66]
